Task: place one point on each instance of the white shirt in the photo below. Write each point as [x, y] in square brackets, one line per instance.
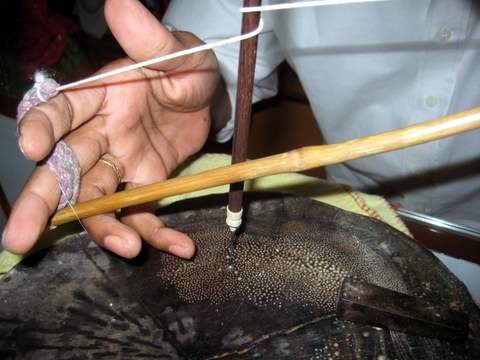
[369, 68]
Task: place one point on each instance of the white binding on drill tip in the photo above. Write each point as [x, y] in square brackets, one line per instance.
[234, 219]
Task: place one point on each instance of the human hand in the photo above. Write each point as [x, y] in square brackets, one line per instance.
[146, 122]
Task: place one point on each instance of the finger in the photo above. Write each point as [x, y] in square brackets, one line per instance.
[48, 122]
[30, 213]
[129, 19]
[40, 196]
[153, 230]
[105, 229]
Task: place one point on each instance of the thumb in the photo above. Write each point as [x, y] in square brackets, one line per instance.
[141, 35]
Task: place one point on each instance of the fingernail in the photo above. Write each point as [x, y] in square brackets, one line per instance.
[125, 247]
[180, 251]
[20, 147]
[129, 246]
[113, 243]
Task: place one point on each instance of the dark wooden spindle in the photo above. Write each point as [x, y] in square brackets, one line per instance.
[246, 72]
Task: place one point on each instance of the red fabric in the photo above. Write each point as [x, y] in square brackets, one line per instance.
[42, 37]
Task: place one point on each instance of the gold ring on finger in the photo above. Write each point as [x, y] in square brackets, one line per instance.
[110, 163]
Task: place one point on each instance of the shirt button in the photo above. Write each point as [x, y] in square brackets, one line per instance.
[431, 101]
[444, 35]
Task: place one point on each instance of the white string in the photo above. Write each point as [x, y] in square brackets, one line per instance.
[39, 94]
[302, 4]
[166, 57]
[214, 44]
[73, 210]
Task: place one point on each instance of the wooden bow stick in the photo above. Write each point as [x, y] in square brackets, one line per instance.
[292, 161]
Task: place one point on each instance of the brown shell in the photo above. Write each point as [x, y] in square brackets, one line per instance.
[268, 293]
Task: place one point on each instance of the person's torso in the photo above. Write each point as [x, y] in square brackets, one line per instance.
[374, 67]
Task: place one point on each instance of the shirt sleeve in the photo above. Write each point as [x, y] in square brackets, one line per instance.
[213, 20]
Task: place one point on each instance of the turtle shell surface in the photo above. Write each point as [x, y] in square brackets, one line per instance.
[268, 293]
